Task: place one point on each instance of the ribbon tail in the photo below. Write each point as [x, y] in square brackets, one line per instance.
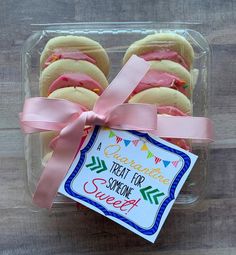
[26, 127]
[133, 117]
[199, 129]
[43, 114]
[58, 166]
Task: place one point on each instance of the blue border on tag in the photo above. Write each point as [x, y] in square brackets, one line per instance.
[151, 231]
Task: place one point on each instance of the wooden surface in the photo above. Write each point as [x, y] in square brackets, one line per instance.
[208, 229]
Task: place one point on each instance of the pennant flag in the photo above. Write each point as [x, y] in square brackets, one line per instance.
[135, 142]
[150, 154]
[118, 139]
[175, 163]
[157, 160]
[127, 142]
[144, 147]
[166, 163]
[112, 134]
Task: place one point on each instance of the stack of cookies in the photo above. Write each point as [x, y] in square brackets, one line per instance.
[74, 68]
[168, 83]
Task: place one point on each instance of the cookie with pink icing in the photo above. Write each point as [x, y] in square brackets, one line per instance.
[173, 111]
[76, 48]
[166, 73]
[76, 80]
[168, 102]
[72, 73]
[162, 96]
[163, 46]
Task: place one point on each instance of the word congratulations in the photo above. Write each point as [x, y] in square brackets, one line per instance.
[92, 188]
[155, 173]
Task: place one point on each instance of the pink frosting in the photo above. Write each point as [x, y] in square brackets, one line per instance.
[179, 142]
[173, 111]
[165, 54]
[155, 78]
[76, 80]
[170, 110]
[60, 54]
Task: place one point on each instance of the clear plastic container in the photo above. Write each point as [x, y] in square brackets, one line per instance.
[116, 38]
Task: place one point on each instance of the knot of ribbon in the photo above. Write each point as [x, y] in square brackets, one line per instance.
[69, 119]
[92, 118]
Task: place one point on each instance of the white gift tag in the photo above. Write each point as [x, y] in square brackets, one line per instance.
[130, 177]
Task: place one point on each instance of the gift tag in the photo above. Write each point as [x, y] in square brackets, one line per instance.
[130, 177]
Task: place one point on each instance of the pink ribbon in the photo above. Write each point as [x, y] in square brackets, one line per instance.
[69, 119]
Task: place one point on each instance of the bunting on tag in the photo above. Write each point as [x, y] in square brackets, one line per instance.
[135, 142]
[157, 160]
[175, 163]
[118, 139]
[150, 154]
[111, 134]
[166, 163]
[144, 147]
[126, 142]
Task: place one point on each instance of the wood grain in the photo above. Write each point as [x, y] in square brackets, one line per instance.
[209, 228]
[90, 233]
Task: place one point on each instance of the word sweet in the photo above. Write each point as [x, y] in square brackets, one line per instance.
[155, 173]
[92, 188]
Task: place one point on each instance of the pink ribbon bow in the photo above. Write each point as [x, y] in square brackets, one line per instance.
[69, 119]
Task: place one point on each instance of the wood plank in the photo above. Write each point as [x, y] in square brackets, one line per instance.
[16, 22]
[210, 15]
[220, 251]
[221, 176]
[207, 229]
[13, 188]
[11, 97]
[11, 143]
[90, 233]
